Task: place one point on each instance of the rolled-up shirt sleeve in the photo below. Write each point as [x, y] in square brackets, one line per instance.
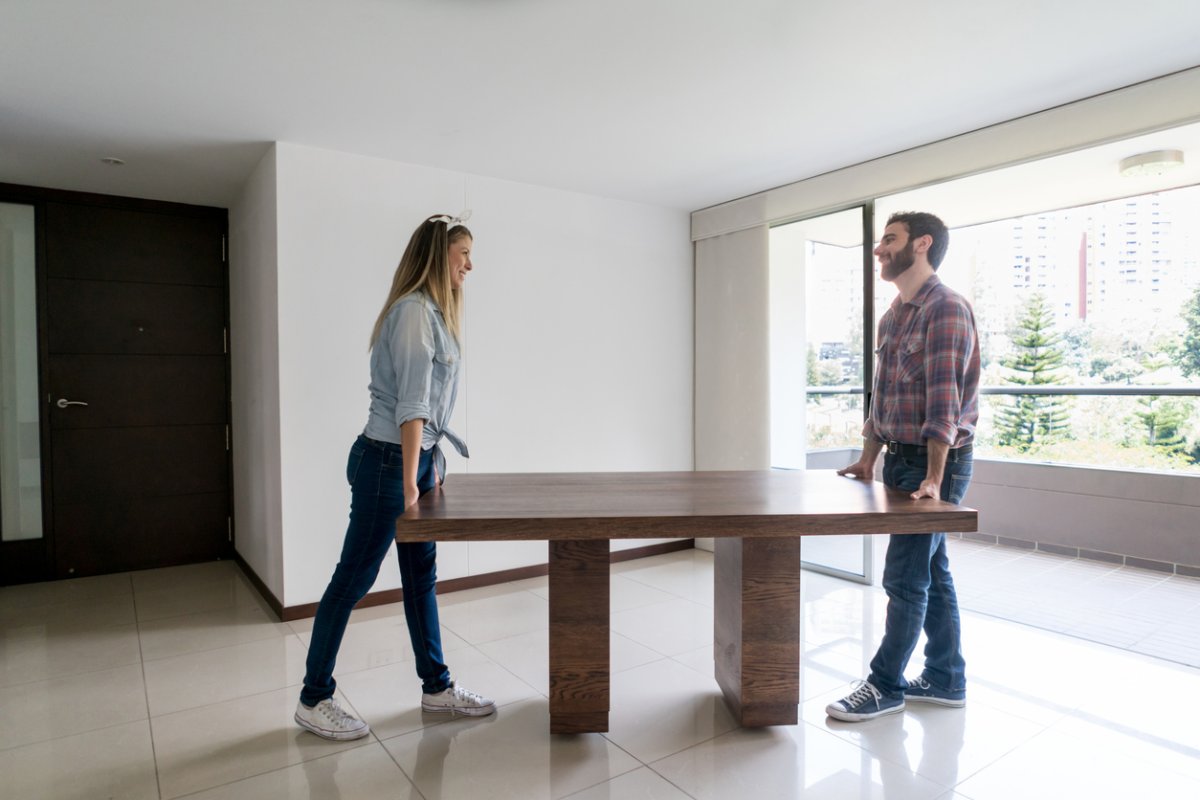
[949, 346]
[412, 348]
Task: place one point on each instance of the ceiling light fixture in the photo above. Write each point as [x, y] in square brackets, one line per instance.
[112, 161]
[1153, 163]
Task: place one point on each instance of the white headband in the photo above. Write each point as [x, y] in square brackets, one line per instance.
[450, 221]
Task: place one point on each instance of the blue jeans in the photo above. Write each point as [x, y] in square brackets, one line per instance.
[916, 577]
[377, 499]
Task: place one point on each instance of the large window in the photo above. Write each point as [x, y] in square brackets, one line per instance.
[1089, 325]
[1085, 279]
[1097, 308]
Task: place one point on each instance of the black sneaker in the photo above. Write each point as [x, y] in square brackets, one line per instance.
[864, 703]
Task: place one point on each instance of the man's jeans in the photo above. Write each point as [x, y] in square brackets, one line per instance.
[916, 577]
[377, 499]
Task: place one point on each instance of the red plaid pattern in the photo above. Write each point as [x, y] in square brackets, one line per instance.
[927, 370]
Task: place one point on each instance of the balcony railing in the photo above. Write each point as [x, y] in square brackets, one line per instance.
[1051, 389]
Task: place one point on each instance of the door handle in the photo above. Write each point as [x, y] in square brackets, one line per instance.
[64, 402]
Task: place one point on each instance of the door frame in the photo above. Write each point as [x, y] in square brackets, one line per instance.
[31, 560]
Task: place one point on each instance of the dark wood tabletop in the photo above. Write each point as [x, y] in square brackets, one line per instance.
[624, 505]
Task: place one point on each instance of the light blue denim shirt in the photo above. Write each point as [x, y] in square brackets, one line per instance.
[414, 375]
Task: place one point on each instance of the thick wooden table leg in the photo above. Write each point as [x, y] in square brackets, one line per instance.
[579, 670]
[757, 621]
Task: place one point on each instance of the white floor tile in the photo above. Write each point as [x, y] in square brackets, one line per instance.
[364, 772]
[687, 575]
[384, 611]
[641, 784]
[31, 595]
[210, 630]
[202, 748]
[43, 710]
[1054, 765]
[510, 755]
[389, 698]
[1048, 714]
[39, 652]
[193, 593]
[664, 707]
[945, 745]
[213, 676]
[488, 619]
[670, 628]
[791, 762]
[380, 641]
[116, 762]
[98, 612]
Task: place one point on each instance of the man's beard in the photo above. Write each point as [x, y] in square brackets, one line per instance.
[898, 264]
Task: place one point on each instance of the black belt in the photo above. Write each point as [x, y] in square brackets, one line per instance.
[910, 450]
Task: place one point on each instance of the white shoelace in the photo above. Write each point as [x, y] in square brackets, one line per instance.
[331, 711]
[465, 695]
[862, 692]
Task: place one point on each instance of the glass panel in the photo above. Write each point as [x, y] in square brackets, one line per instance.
[817, 363]
[20, 446]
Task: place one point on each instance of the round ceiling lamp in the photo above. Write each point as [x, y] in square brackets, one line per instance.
[1153, 163]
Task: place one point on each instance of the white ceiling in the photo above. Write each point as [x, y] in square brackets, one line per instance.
[678, 103]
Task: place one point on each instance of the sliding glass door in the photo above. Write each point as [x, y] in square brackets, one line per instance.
[822, 321]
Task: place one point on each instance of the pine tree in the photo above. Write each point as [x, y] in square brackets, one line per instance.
[1187, 355]
[1164, 419]
[1034, 419]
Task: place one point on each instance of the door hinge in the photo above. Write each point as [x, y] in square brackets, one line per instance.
[229, 527]
[226, 438]
[225, 340]
[224, 248]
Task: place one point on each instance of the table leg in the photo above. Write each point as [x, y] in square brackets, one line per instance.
[579, 666]
[757, 628]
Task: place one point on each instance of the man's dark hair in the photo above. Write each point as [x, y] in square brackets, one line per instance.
[920, 223]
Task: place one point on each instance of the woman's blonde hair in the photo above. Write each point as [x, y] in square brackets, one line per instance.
[426, 265]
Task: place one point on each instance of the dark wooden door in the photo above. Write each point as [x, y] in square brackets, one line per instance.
[137, 387]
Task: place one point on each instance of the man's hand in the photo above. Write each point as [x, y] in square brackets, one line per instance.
[864, 468]
[934, 469]
[860, 470]
[928, 488]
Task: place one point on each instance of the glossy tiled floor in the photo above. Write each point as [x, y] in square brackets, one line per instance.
[177, 683]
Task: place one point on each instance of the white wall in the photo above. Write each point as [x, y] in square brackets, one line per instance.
[254, 371]
[578, 339]
[733, 342]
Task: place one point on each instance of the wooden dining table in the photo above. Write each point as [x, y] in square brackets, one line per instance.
[756, 519]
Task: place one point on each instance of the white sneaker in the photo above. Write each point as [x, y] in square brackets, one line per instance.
[457, 700]
[330, 720]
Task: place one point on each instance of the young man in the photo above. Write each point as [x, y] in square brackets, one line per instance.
[923, 413]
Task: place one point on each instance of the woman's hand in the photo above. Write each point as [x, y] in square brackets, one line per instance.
[411, 495]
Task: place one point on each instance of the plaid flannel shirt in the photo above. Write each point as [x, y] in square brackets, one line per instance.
[927, 370]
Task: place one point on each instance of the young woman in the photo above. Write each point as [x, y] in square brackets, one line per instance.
[414, 381]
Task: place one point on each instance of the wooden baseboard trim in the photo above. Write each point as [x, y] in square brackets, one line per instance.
[457, 584]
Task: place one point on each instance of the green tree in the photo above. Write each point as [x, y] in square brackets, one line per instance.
[1163, 419]
[1031, 420]
[1187, 354]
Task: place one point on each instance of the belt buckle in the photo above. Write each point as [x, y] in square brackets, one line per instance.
[893, 448]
